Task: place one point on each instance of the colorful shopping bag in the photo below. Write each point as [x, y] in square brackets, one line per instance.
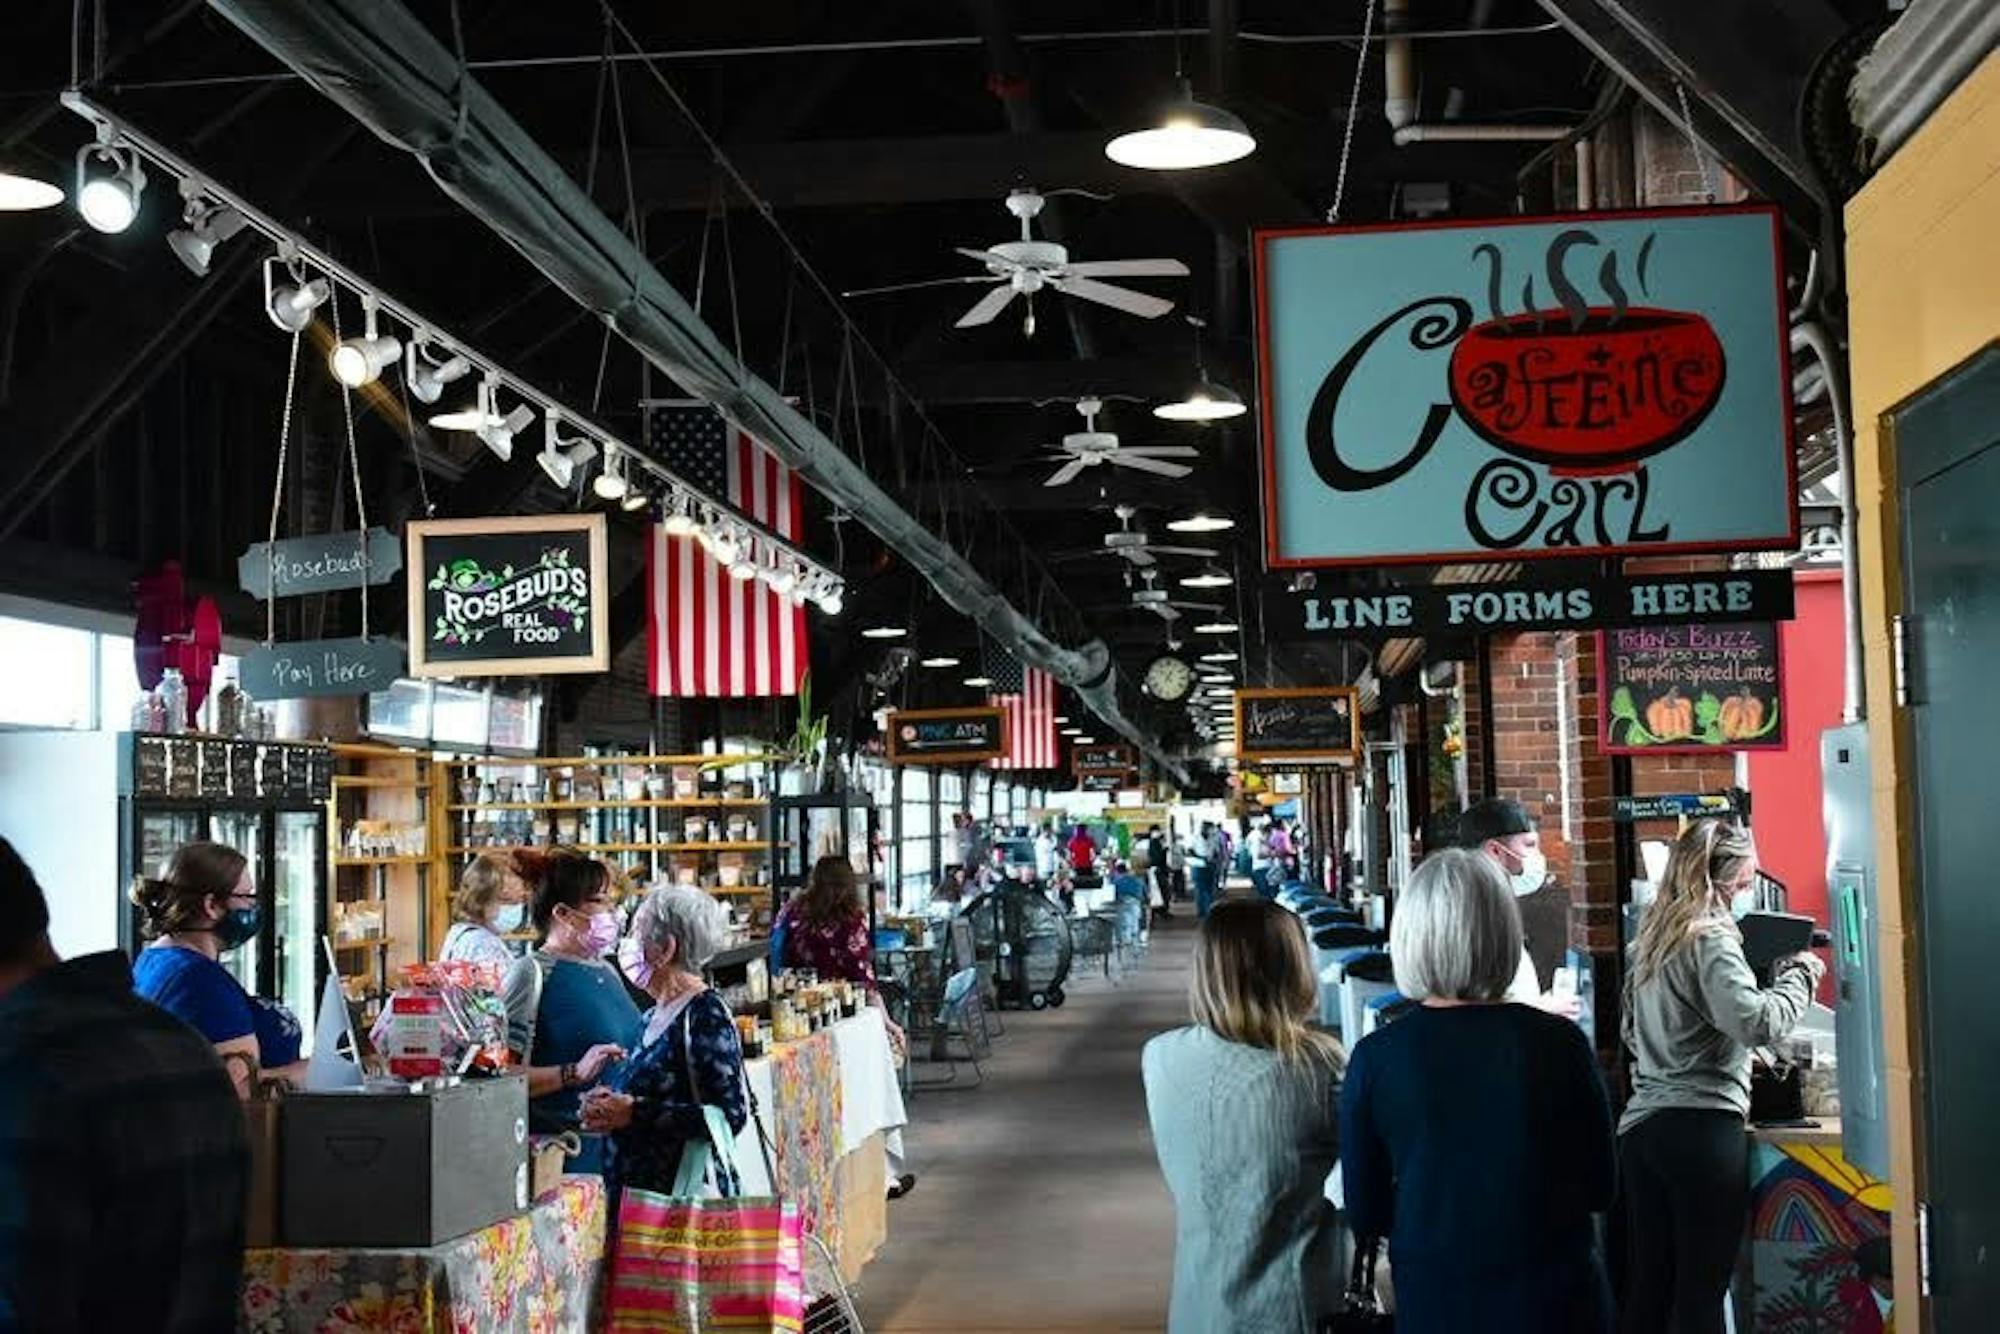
[684, 1264]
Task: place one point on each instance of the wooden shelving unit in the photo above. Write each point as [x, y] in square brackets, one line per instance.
[386, 788]
[633, 809]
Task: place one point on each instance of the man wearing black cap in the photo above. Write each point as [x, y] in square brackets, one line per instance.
[1502, 828]
[123, 1161]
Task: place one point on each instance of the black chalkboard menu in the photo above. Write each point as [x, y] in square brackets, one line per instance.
[504, 597]
[1113, 759]
[1320, 723]
[946, 736]
[1678, 688]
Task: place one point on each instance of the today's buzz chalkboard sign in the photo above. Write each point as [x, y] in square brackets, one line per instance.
[504, 597]
[946, 736]
[1317, 723]
[1690, 688]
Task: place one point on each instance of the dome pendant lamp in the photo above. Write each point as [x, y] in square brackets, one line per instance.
[1206, 400]
[1182, 136]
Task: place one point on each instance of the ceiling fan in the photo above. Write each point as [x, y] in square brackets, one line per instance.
[1162, 603]
[1090, 448]
[1132, 545]
[1024, 267]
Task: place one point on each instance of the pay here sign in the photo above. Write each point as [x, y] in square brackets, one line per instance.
[1590, 384]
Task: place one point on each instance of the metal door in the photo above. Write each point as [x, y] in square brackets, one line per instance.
[156, 836]
[243, 830]
[1948, 447]
[298, 840]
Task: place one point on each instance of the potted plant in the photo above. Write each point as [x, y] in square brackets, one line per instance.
[806, 747]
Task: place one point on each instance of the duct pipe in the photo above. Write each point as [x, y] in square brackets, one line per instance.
[384, 67]
[1810, 334]
[1455, 133]
[1399, 66]
[1586, 174]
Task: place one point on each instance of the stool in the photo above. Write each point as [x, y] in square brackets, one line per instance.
[1364, 975]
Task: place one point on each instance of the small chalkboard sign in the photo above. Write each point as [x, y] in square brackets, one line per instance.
[1680, 688]
[1319, 723]
[1104, 781]
[323, 563]
[1103, 759]
[502, 597]
[946, 736]
[316, 667]
[1674, 806]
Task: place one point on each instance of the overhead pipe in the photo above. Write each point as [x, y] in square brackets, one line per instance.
[1399, 102]
[1810, 335]
[386, 69]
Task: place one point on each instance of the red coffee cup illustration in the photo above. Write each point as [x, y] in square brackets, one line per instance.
[1585, 389]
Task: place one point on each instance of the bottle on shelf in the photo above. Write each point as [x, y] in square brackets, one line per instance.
[174, 698]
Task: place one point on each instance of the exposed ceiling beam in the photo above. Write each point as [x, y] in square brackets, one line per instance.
[1148, 378]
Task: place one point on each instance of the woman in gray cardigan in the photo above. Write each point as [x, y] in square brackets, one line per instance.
[1693, 1011]
[1244, 1112]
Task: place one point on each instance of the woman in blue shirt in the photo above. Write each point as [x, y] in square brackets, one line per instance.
[1475, 1134]
[205, 904]
[569, 1016]
[654, 1104]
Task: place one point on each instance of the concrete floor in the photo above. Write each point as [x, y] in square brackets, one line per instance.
[1040, 1204]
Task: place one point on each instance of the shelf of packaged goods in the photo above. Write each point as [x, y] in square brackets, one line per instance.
[612, 761]
[362, 943]
[371, 780]
[381, 861]
[613, 847]
[659, 803]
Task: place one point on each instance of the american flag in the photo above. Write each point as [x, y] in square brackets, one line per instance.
[1028, 698]
[709, 634]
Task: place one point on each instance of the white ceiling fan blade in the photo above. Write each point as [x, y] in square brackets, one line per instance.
[1067, 473]
[1125, 460]
[1161, 610]
[928, 282]
[989, 307]
[987, 257]
[1182, 551]
[1160, 451]
[1126, 268]
[1196, 606]
[1118, 298]
[1137, 555]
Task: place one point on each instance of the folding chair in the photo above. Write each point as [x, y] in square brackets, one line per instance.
[960, 1017]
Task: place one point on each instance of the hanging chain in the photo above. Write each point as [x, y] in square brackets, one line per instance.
[1694, 144]
[278, 499]
[354, 470]
[1353, 110]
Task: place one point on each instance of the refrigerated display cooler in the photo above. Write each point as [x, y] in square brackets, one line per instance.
[89, 811]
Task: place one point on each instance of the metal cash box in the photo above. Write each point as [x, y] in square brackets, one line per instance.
[404, 1168]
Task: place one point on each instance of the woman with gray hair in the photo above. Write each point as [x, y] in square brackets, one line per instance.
[1474, 1134]
[689, 1057]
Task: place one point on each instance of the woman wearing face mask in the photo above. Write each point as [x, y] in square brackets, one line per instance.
[491, 903]
[569, 1016]
[1693, 1011]
[688, 1055]
[205, 904]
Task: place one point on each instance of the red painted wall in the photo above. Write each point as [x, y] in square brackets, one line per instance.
[1785, 784]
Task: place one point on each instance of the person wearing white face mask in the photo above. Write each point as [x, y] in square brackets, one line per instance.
[491, 903]
[569, 1015]
[1502, 829]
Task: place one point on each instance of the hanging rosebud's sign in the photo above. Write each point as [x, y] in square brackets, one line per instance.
[1591, 384]
[323, 563]
[316, 667]
[502, 597]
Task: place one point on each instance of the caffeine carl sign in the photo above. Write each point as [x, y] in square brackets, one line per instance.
[1590, 384]
[500, 597]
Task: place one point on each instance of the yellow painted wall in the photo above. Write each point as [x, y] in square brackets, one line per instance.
[1923, 256]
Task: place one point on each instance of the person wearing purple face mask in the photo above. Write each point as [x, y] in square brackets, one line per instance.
[569, 1015]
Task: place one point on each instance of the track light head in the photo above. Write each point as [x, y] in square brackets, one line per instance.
[679, 521]
[291, 305]
[426, 377]
[561, 458]
[499, 432]
[207, 225]
[832, 599]
[611, 483]
[722, 543]
[109, 183]
[635, 500]
[359, 361]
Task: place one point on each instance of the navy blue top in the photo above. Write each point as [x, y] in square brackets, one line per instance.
[1477, 1139]
[1128, 886]
[583, 1005]
[667, 1111]
[204, 995]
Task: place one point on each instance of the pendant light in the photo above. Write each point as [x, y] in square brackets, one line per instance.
[23, 189]
[1184, 135]
[1206, 400]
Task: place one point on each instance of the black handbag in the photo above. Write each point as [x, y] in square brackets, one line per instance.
[1360, 1313]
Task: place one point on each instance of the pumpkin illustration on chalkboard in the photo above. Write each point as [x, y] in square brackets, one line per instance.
[1671, 716]
[1742, 716]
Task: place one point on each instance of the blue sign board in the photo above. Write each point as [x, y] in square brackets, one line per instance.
[1589, 384]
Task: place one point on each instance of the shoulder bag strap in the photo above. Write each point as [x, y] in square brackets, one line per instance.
[719, 1146]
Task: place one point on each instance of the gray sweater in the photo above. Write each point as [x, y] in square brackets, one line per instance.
[1246, 1142]
[1691, 1025]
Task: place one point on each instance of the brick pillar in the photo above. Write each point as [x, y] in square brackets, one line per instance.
[1473, 720]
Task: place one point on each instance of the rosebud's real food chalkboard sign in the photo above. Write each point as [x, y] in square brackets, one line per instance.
[505, 597]
[1668, 688]
[1321, 723]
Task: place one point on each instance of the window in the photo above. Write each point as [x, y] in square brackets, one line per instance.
[48, 675]
[459, 717]
[916, 868]
[117, 681]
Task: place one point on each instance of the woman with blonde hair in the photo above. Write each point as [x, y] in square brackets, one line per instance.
[1243, 1109]
[1475, 1133]
[491, 903]
[1693, 1011]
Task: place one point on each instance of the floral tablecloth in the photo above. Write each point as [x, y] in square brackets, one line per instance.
[1818, 1258]
[534, 1273]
